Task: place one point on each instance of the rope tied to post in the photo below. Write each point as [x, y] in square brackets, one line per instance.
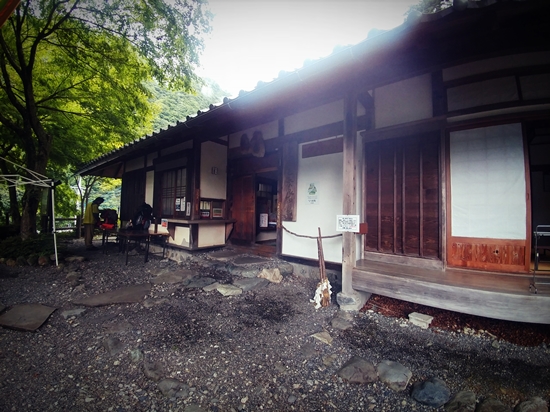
[310, 237]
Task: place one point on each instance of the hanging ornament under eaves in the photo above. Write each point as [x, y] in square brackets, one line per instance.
[257, 144]
[245, 144]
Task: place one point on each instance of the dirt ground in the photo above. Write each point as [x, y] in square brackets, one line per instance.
[187, 347]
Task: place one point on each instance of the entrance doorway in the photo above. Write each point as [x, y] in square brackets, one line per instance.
[253, 203]
[266, 208]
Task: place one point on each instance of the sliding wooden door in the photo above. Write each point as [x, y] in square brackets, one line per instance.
[402, 195]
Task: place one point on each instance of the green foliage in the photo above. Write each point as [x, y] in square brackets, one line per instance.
[109, 189]
[73, 75]
[174, 106]
[431, 6]
[14, 247]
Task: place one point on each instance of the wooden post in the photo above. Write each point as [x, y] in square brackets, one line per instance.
[349, 188]
[324, 286]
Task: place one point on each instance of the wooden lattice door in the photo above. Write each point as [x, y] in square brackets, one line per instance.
[402, 196]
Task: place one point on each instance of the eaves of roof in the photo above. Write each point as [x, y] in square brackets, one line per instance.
[361, 53]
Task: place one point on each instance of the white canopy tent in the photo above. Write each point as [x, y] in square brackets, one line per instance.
[35, 179]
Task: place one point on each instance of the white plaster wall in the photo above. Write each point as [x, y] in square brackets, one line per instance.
[181, 236]
[503, 89]
[496, 63]
[327, 174]
[211, 235]
[134, 164]
[318, 116]
[404, 101]
[214, 186]
[149, 186]
[269, 131]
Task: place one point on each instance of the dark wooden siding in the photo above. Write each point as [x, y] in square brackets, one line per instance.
[132, 193]
[402, 196]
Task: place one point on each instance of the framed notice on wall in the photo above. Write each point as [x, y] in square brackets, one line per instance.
[347, 223]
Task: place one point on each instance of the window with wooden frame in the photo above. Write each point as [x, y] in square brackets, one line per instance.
[173, 193]
[171, 186]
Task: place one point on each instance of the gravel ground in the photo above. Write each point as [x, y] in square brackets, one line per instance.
[248, 352]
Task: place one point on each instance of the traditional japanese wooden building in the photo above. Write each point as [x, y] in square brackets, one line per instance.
[436, 134]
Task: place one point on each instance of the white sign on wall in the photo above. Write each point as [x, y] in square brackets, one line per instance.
[347, 223]
[312, 194]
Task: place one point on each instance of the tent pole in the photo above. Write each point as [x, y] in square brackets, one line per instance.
[53, 223]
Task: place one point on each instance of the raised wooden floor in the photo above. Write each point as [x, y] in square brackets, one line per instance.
[492, 295]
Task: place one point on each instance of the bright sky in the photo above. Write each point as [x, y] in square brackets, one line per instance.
[254, 40]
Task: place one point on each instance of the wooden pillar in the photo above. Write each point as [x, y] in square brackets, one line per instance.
[350, 299]
[349, 188]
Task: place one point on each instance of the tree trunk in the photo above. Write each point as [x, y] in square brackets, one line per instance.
[14, 212]
[30, 208]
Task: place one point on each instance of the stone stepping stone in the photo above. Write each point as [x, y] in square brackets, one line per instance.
[172, 388]
[73, 312]
[271, 274]
[323, 337]
[358, 370]
[172, 277]
[223, 255]
[535, 404]
[492, 405]
[126, 294]
[28, 316]
[463, 401]
[229, 290]
[251, 284]
[432, 392]
[395, 375]
[249, 260]
[200, 283]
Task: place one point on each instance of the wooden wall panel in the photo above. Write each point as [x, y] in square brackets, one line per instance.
[289, 181]
[488, 254]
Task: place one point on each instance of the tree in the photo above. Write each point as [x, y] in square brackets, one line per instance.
[430, 6]
[73, 75]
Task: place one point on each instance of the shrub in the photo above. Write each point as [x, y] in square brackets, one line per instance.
[14, 246]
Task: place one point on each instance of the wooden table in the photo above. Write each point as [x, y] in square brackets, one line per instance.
[125, 236]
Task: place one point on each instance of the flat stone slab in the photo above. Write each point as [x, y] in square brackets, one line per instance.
[173, 277]
[248, 284]
[223, 255]
[26, 316]
[200, 282]
[126, 294]
[249, 260]
[73, 312]
[229, 290]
